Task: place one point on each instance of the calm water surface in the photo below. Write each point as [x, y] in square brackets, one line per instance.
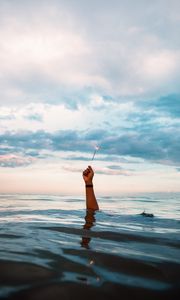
[51, 248]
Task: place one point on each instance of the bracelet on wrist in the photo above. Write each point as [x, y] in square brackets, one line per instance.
[89, 185]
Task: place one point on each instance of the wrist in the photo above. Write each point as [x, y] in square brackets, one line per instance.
[89, 185]
[89, 182]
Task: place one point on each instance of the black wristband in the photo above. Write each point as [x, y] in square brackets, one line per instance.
[89, 185]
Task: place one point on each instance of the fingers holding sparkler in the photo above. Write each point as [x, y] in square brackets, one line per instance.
[88, 175]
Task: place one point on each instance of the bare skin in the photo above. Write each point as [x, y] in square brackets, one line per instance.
[91, 202]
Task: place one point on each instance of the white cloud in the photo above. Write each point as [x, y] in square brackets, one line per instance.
[98, 170]
[53, 117]
[51, 50]
[160, 65]
[98, 113]
[13, 161]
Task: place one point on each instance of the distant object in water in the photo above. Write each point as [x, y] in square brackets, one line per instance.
[146, 214]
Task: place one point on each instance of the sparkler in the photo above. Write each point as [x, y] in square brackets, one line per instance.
[96, 148]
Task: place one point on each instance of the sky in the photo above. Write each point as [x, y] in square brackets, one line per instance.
[79, 74]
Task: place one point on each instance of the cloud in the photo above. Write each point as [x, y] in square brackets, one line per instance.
[115, 167]
[152, 144]
[13, 161]
[149, 142]
[6, 117]
[104, 171]
[78, 158]
[168, 105]
[113, 77]
[72, 169]
[58, 51]
[6, 150]
[80, 73]
[34, 117]
[111, 158]
[109, 171]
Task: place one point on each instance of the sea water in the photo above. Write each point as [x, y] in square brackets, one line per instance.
[51, 248]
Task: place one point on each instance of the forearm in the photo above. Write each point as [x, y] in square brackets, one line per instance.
[91, 202]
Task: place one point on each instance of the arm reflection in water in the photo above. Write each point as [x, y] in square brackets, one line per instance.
[91, 204]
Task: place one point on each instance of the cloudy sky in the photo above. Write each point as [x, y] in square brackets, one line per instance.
[79, 73]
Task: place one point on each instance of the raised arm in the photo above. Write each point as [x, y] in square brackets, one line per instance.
[91, 202]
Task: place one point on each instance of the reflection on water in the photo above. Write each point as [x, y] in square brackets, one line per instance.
[89, 222]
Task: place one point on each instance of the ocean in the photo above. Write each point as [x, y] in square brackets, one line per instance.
[52, 248]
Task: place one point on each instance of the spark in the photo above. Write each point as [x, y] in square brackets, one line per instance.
[96, 148]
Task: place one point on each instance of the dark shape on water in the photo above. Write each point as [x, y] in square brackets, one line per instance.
[90, 220]
[146, 214]
[81, 278]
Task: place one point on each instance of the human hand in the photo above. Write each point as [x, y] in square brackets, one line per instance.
[88, 175]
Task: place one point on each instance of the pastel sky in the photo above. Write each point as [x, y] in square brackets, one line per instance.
[79, 73]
